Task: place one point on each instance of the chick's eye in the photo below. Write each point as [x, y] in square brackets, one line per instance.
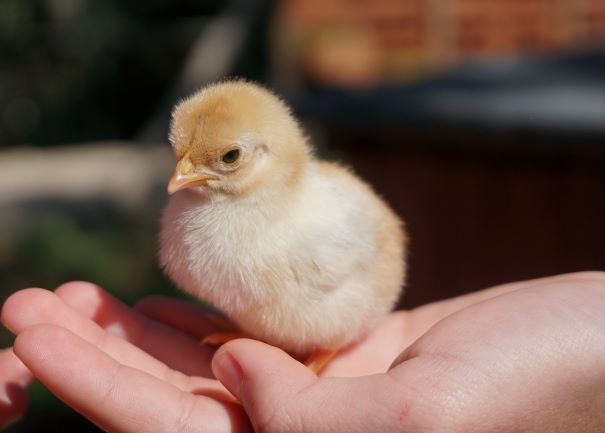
[231, 156]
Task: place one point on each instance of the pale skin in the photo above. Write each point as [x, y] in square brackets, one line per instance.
[523, 357]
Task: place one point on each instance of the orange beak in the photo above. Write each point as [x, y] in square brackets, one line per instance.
[184, 177]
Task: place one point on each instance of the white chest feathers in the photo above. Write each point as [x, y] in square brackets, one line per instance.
[315, 269]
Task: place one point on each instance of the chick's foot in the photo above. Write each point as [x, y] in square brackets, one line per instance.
[319, 359]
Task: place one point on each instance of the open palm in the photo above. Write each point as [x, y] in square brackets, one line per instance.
[142, 369]
[99, 355]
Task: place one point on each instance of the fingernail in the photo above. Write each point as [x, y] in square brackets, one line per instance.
[229, 372]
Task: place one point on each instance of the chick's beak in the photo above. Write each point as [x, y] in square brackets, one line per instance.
[185, 177]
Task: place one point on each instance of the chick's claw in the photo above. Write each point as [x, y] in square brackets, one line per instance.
[219, 338]
[229, 331]
[317, 361]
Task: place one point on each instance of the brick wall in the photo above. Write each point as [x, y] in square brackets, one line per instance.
[592, 18]
[505, 27]
[406, 38]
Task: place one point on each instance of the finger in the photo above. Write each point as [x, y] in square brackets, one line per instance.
[116, 397]
[176, 349]
[13, 370]
[187, 317]
[14, 380]
[37, 306]
[280, 394]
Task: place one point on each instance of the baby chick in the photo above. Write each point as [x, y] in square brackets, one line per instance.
[297, 252]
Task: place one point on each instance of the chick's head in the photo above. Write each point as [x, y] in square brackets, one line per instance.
[235, 137]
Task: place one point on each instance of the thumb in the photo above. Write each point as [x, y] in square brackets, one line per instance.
[262, 377]
[280, 394]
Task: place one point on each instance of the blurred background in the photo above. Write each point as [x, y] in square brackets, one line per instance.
[482, 123]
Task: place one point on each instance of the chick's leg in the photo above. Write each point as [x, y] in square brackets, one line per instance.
[319, 359]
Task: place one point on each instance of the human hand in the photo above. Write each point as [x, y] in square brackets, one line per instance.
[424, 377]
[14, 380]
[126, 373]
[530, 360]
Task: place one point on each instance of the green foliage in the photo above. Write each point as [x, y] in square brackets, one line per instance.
[82, 70]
